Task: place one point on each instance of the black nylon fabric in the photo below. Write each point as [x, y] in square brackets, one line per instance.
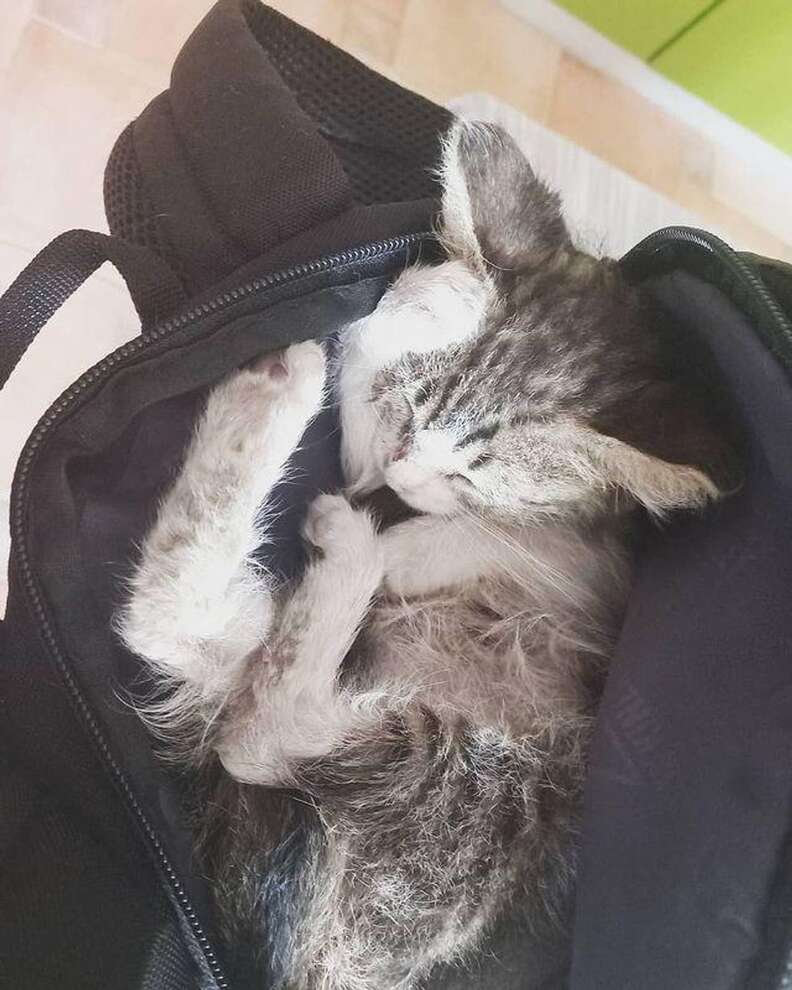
[685, 842]
[690, 790]
[81, 904]
[270, 146]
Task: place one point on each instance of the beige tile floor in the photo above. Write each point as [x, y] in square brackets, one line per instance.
[74, 72]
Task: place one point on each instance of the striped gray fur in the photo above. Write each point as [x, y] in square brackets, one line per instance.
[393, 750]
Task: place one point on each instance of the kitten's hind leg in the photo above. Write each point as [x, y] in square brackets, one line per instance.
[296, 709]
[433, 825]
[198, 606]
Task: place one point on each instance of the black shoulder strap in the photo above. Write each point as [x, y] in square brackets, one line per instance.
[61, 267]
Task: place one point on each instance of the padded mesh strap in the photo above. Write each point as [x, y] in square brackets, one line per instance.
[61, 267]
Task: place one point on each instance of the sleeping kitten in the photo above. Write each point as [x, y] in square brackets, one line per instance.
[403, 733]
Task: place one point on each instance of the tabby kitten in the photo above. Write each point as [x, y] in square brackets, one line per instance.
[521, 398]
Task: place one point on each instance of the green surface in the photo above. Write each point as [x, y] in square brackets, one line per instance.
[641, 26]
[739, 59]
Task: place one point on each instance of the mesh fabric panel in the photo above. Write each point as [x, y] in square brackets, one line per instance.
[386, 137]
[130, 212]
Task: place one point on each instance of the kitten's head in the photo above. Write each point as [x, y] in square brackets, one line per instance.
[558, 391]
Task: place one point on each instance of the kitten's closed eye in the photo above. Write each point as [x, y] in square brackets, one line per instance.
[480, 461]
[463, 478]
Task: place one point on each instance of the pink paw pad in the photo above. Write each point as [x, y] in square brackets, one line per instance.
[272, 364]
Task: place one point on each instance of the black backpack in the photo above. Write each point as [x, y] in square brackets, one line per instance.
[268, 196]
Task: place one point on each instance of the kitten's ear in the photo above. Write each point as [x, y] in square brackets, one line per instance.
[495, 211]
[666, 450]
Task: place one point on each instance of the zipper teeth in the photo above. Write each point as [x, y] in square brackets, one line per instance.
[721, 250]
[691, 235]
[50, 418]
[85, 713]
[234, 295]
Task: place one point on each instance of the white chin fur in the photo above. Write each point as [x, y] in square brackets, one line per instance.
[421, 490]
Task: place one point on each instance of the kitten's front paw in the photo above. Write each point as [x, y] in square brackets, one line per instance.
[254, 418]
[333, 525]
[300, 370]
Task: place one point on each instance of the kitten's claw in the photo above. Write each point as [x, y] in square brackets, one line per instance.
[300, 369]
[256, 416]
[272, 365]
[332, 524]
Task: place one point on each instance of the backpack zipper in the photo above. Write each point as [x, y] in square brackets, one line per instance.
[148, 338]
[644, 252]
[772, 321]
